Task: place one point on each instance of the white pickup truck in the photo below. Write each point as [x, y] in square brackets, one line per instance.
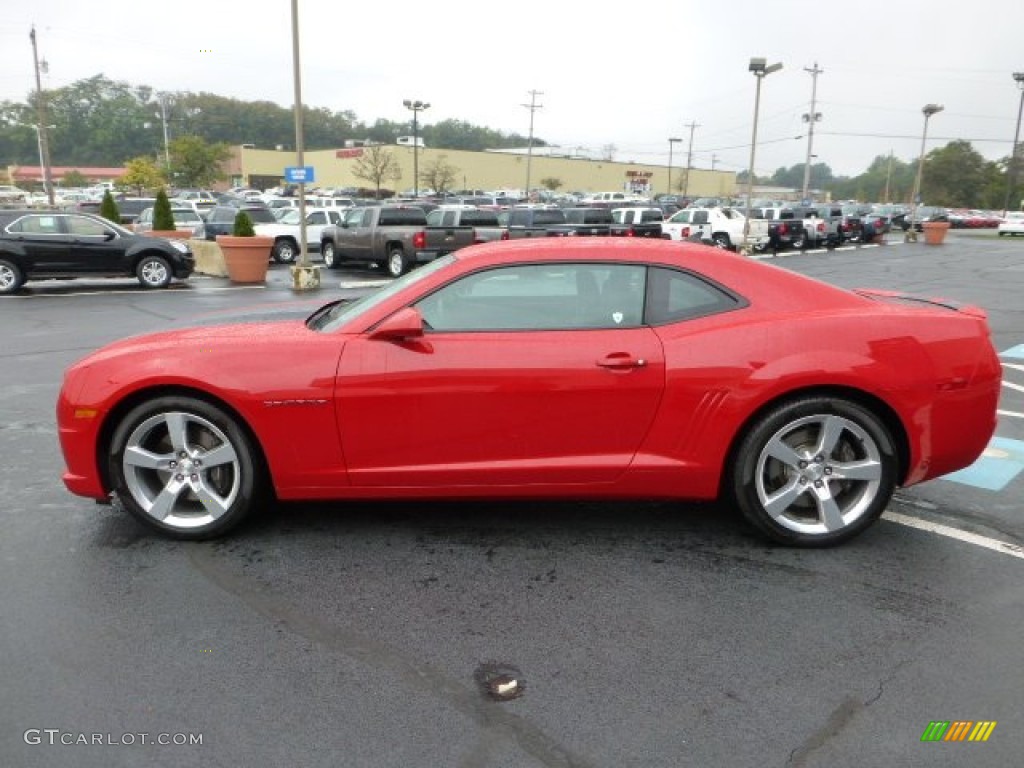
[286, 232]
[721, 227]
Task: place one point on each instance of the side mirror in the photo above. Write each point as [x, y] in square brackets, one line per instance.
[405, 324]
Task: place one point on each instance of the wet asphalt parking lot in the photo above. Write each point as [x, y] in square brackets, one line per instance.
[643, 634]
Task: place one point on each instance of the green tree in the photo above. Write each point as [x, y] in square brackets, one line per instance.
[551, 183]
[108, 208]
[439, 174]
[141, 173]
[163, 219]
[954, 175]
[75, 178]
[243, 225]
[195, 163]
[376, 164]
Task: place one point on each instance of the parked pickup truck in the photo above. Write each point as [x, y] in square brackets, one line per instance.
[529, 222]
[821, 225]
[721, 227]
[483, 221]
[784, 231]
[396, 236]
[637, 222]
[584, 222]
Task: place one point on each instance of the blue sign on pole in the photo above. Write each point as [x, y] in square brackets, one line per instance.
[299, 175]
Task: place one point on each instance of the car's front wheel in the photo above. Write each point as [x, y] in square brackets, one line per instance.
[328, 253]
[184, 467]
[284, 251]
[397, 263]
[814, 472]
[153, 272]
[11, 278]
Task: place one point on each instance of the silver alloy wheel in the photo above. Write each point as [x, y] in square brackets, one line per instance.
[284, 252]
[396, 262]
[327, 251]
[154, 273]
[818, 474]
[181, 469]
[9, 278]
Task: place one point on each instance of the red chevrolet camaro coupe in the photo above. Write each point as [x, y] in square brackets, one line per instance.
[579, 368]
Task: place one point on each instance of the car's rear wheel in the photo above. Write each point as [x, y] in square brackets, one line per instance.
[799, 241]
[814, 472]
[153, 272]
[397, 263]
[184, 467]
[328, 253]
[11, 278]
[721, 240]
[284, 251]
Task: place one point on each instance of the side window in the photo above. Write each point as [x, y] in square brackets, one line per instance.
[673, 295]
[36, 225]
[334, 216]
[540, 297]
[354, 218]
[79, 225]
[700, 217]
[318, 217]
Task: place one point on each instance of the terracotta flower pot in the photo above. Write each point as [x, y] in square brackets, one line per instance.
[934, 231]
[247, 258]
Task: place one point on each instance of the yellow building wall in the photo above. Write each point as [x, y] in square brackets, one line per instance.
[486, 171]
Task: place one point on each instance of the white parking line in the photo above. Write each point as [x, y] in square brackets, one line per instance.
[1015, 366]
[1011, 413]
[1002, 547]
[1011, 385]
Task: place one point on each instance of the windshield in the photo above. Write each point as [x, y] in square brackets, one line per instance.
[291, 217]
[340, 314]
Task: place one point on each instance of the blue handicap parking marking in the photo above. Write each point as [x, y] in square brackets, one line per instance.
[1015, 352]
[1001, 462]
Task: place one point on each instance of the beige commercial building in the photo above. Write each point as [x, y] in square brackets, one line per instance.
[497, 170]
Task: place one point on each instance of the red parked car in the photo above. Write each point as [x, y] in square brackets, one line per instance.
[555, 367]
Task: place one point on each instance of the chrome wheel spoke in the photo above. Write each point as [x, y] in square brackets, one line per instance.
[136, 456]
[177, 431]
[780, 450]
[211, 502]
[777, 503]
[166, 501]
[828, 509]
[831, 431]
[866, 470]
[222, 454]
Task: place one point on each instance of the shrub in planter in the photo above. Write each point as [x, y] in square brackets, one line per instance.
[243, 225]
[108, 208]
[163, 219]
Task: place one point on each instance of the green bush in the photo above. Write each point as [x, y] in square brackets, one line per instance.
[243, 225]
[108, 208]
[163, 219]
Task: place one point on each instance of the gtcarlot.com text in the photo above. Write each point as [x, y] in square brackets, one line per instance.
[58, 737]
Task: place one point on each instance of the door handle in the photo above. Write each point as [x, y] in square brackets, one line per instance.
[620, 361]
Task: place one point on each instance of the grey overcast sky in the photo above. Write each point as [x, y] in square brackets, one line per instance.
[610, 74]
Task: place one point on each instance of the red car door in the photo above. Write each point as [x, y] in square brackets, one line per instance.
[498, 408]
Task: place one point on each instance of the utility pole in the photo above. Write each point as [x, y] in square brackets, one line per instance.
[533, 106]
[888, 178]
[44, 141]
[714, 161]
[811, 118]
[689, 159]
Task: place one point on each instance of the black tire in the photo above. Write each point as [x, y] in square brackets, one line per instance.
[285, 251]
[721, 240]
[11, 277]
[814, 472]
[329, 254]
[397, 263]
[153, 272]
[185, 468]
[799, 241]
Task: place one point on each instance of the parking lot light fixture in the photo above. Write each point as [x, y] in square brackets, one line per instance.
[761, 69]
[671, 142]
[928, 110]
[1011, 168]
[416, 106]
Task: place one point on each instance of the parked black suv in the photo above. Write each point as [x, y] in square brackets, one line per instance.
[36, 244]
[221, 219]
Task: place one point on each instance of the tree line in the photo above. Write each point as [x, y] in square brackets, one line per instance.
[101, 122]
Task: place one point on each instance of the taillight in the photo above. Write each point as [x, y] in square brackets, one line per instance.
[630, 232]
[684, 232]
[821, 226]
[419, 240]
[504, 234]
[783, 229]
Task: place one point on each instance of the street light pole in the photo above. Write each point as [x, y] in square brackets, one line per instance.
[533, 106]
[811, 118]
[167, 144]
[44, 143]
[1011, 171]
[928, 110]
[416, 106]
[761, 70]
[689, 161]
[671, 142]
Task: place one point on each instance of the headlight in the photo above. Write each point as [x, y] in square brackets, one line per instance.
[179, 246]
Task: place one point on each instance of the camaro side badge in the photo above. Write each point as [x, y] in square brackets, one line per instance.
[617, 317]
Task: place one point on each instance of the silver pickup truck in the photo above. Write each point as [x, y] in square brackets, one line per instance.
[395, 236]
